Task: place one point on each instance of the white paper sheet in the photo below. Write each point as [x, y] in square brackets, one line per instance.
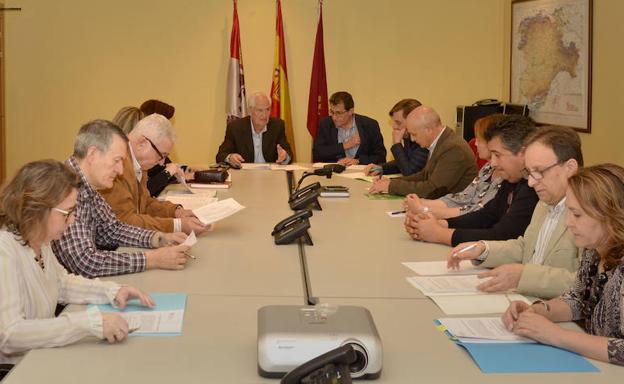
[288, 167]
[476, 304]
[196, 200]
[214, 212]
[190, 239]
[438, 268]
[490, 328]
[352, 175]
[446, 285]
[256, 166]
[155, 321]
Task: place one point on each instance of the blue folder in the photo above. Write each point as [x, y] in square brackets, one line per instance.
[164, 302]
[523, 357]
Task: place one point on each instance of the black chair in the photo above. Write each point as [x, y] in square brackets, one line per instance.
[4, 369]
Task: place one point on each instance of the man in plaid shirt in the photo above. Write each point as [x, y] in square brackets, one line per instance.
[88, 245]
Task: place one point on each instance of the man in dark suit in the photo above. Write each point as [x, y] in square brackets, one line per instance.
[256, 138]
[347, 138]
[451, 165]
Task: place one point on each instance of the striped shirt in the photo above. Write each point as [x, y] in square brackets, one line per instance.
[28, 298]
[87, 246]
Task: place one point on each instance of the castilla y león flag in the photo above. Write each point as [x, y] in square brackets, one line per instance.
[236, 102]
[280, 99]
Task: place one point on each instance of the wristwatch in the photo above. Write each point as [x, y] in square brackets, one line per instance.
[545, 304]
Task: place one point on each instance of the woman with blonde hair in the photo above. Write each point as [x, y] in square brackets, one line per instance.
[595, 216]
[36, 207]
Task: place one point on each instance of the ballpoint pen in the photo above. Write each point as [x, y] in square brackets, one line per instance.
[397, 212]
[468, 248]
[189, 255]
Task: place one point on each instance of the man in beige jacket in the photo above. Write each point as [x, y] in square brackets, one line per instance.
[544, 261]
[149, 144]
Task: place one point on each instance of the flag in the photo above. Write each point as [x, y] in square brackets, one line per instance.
[280, 99]
[317, 101]
[236, 101]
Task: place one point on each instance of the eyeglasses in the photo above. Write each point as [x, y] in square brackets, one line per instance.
[337, 113]
[65, 213]
[160, 154]
[539, 174]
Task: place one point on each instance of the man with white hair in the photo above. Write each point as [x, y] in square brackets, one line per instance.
[149, 143]
[257, 138]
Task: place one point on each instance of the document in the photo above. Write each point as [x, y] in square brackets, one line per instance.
[476, 304]
[353, 175]
[214, 212]
[446, 285]
[165, 319]
[438, 268]
[196, 200]
[288, 167]
[190, 239]
[470, 329]
[256, 166]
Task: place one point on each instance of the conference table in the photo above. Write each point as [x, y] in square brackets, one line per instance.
[355, 260]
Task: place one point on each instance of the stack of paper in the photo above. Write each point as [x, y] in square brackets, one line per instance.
[256, 166]
[496, 350]
[165, 319]
[214, 212]
[288, 167]
[196, 200]
[455, 291]
[226, 185]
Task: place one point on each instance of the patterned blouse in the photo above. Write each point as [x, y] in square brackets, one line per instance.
[598, 300]
[477, 194]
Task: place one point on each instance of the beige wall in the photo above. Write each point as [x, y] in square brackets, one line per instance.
[69, 61]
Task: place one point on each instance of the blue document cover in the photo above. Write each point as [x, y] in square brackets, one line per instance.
[522, 357]
[170, 301]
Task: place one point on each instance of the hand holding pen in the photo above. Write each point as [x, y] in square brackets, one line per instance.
[464, 251]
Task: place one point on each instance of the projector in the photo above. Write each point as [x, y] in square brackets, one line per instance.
[290, 335]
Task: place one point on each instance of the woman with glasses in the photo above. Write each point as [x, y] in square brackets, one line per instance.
[595, 216]
[35, 208]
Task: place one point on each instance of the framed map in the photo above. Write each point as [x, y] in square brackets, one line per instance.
[551, 60]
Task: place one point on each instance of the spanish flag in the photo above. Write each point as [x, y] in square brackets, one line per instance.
[280, 99]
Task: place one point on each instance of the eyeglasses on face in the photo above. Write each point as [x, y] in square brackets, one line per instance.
[65, 213]
[538, 174]
[160, 154]
[336, 113]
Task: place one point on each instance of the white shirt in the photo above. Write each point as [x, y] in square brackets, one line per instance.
[28, 298]
[546, 230]
[431, 148]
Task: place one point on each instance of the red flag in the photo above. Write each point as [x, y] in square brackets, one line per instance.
[317, 101]
[236, 102]
[280, 99]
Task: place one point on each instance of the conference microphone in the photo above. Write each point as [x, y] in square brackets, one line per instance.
[336, 168]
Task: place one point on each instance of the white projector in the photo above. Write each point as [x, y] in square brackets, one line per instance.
[290, 335]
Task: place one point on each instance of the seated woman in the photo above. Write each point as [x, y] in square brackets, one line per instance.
[36, 207]
[482, 189]
[595, 204]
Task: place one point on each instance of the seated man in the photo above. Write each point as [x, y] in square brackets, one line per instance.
[544, 261]
[409, 157]
[256, 138]
[348, 138]
[451, 165]
[86, 247]
[150, 142]
[504, 217]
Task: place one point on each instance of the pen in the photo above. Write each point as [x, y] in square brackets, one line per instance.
[468, 248]
[189, 255]
[397, 212]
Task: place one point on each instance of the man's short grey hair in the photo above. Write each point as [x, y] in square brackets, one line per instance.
[97, 133]
[156, 127]
[251, 99]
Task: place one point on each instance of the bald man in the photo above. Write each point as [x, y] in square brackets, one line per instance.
[451, 165]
